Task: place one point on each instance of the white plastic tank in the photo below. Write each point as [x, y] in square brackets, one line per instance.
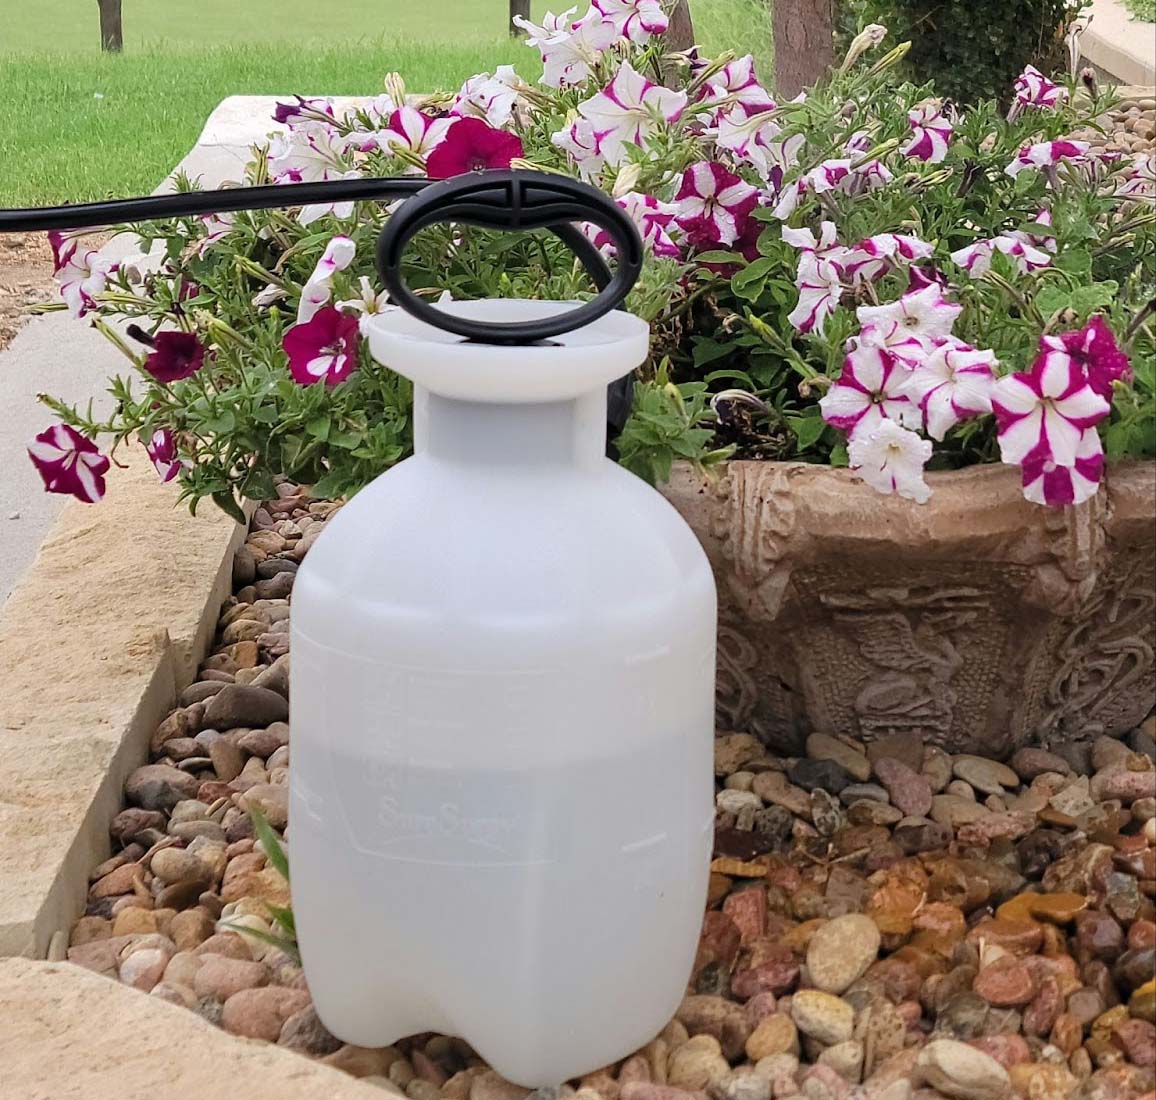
[503, 700]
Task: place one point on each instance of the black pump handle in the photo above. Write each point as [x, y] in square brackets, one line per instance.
[515, 200]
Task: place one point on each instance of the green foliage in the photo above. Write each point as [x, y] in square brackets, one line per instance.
[971, 49]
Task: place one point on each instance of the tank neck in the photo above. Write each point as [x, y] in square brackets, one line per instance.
[553, 433]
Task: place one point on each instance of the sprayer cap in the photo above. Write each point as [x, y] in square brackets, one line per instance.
[559, 369]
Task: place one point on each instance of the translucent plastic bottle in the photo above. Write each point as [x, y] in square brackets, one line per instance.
[503, 695]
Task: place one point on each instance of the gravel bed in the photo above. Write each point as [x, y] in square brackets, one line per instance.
[885, 921]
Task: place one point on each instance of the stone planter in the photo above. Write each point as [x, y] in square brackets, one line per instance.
[978, 620]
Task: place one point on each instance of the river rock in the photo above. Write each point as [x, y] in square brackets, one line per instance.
[245, 705]
[822, 1016]
[909, 790]
[983, 774]
[841, 951]
[159, 787]
[261, 1013]
[962, 1072]
[822, 746]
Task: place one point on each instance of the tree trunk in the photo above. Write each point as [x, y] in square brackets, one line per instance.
[804, 44]
[680, 33]
[518, 7]
[111, 28]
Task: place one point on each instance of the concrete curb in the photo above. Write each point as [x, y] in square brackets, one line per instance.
[95, 642]
[70, 1034]
[1121, 48]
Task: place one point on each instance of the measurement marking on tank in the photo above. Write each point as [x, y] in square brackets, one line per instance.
[641, 845]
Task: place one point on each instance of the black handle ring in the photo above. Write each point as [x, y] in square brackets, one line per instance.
[509, 199]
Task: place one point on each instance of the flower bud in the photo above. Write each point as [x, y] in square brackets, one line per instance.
[868, 38]
[1088, 79]
[626, 180]
[395, 89]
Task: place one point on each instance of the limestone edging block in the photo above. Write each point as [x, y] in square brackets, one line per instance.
[70, 1034]
[103, 629]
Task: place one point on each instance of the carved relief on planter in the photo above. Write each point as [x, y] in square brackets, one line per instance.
[978, 620]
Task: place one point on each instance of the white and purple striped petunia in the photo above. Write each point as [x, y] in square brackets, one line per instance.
[976, 258]
[80, 275]
[569, 50]
[1095, 351]
[930, 133]
[923, 314]
[324, 348]
[626, 111]
[652, 218]
[735, 86]
[579, 141]
[952, 382]
[338, 255]
[1047, 482]
[492, 98]
[819, 277]
[69, 463]
[1033, 89]
[890, 458]
[637, 20]
[714, 204]
[162, 451]
[756, 140]
[1046, 155]
[869, 390]
[874, 257]
[1049, 407]
[842, 174]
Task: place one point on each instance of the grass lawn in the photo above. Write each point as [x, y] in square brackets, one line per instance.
[1142, 9]
[77, 125]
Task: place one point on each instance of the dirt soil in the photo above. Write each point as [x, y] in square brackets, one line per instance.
[25, 279]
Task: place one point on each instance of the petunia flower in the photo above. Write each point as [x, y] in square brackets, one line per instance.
[491, 98]
[625, 112]
[633, 19]
[1094, 350]
[874, 257]
[843, 174]
[69, 463]
[470, 145]
[930, 133]
[323, 349]
[652, 218]
[367, 304]
[569, 50]
[1049, 407]
[756, 140]
[316, 210]
[869, 390]
[976, 258]
[735, 87]
[891, 459]
[1047, 482]
[411, 131]
[714, 204]
[175, 355]
[162, 451]
[580, 143]
[338, 255]
[952, 383]
[309, 154]
[305, 110]
[80, 275]
[1033, 89]
[924, 314]
[819, 278]
[216, 226]
[1046, 155]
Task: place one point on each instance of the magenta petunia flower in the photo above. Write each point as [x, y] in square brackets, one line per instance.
[69, 463]
[1095, 350]
[324, 349]
[1047, 408]
[1033, 89]
[737, 86]
[471, 145]
[633, 19]
[951, 382]
[162, 450]
[869, 390]
[874, 257]
[652, 218]
[714, 204]
[175, 355]
[1047, 482]
[1046, 155]
[930, 133]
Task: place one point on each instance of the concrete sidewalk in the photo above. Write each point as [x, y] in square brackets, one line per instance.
[1121, 48]
[66, 358]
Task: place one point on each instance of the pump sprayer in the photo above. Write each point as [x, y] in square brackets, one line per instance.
[503, 670]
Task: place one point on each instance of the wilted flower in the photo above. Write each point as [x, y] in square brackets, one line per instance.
[569, 51]
[930, 133]
[952, 383]
[324, 349]
[633, 19]
[868, 38]
[1047, 408]
[1047, 482]
[714, 204]
[891, 459]
[492, 98]
[69, 463]
[162, 451]
[306, 109]
[869, 390]
[338, 255]
[1047, 154]
[624, 112]
[472, 146]
[175, 355]
[1094, 351]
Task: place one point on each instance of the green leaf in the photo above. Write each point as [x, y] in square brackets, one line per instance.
[839, 455]
[748, 283]
[318, 427]
[228, 504]
[807, 429]
[707, 350]
[1075, 261]
[270, 842]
